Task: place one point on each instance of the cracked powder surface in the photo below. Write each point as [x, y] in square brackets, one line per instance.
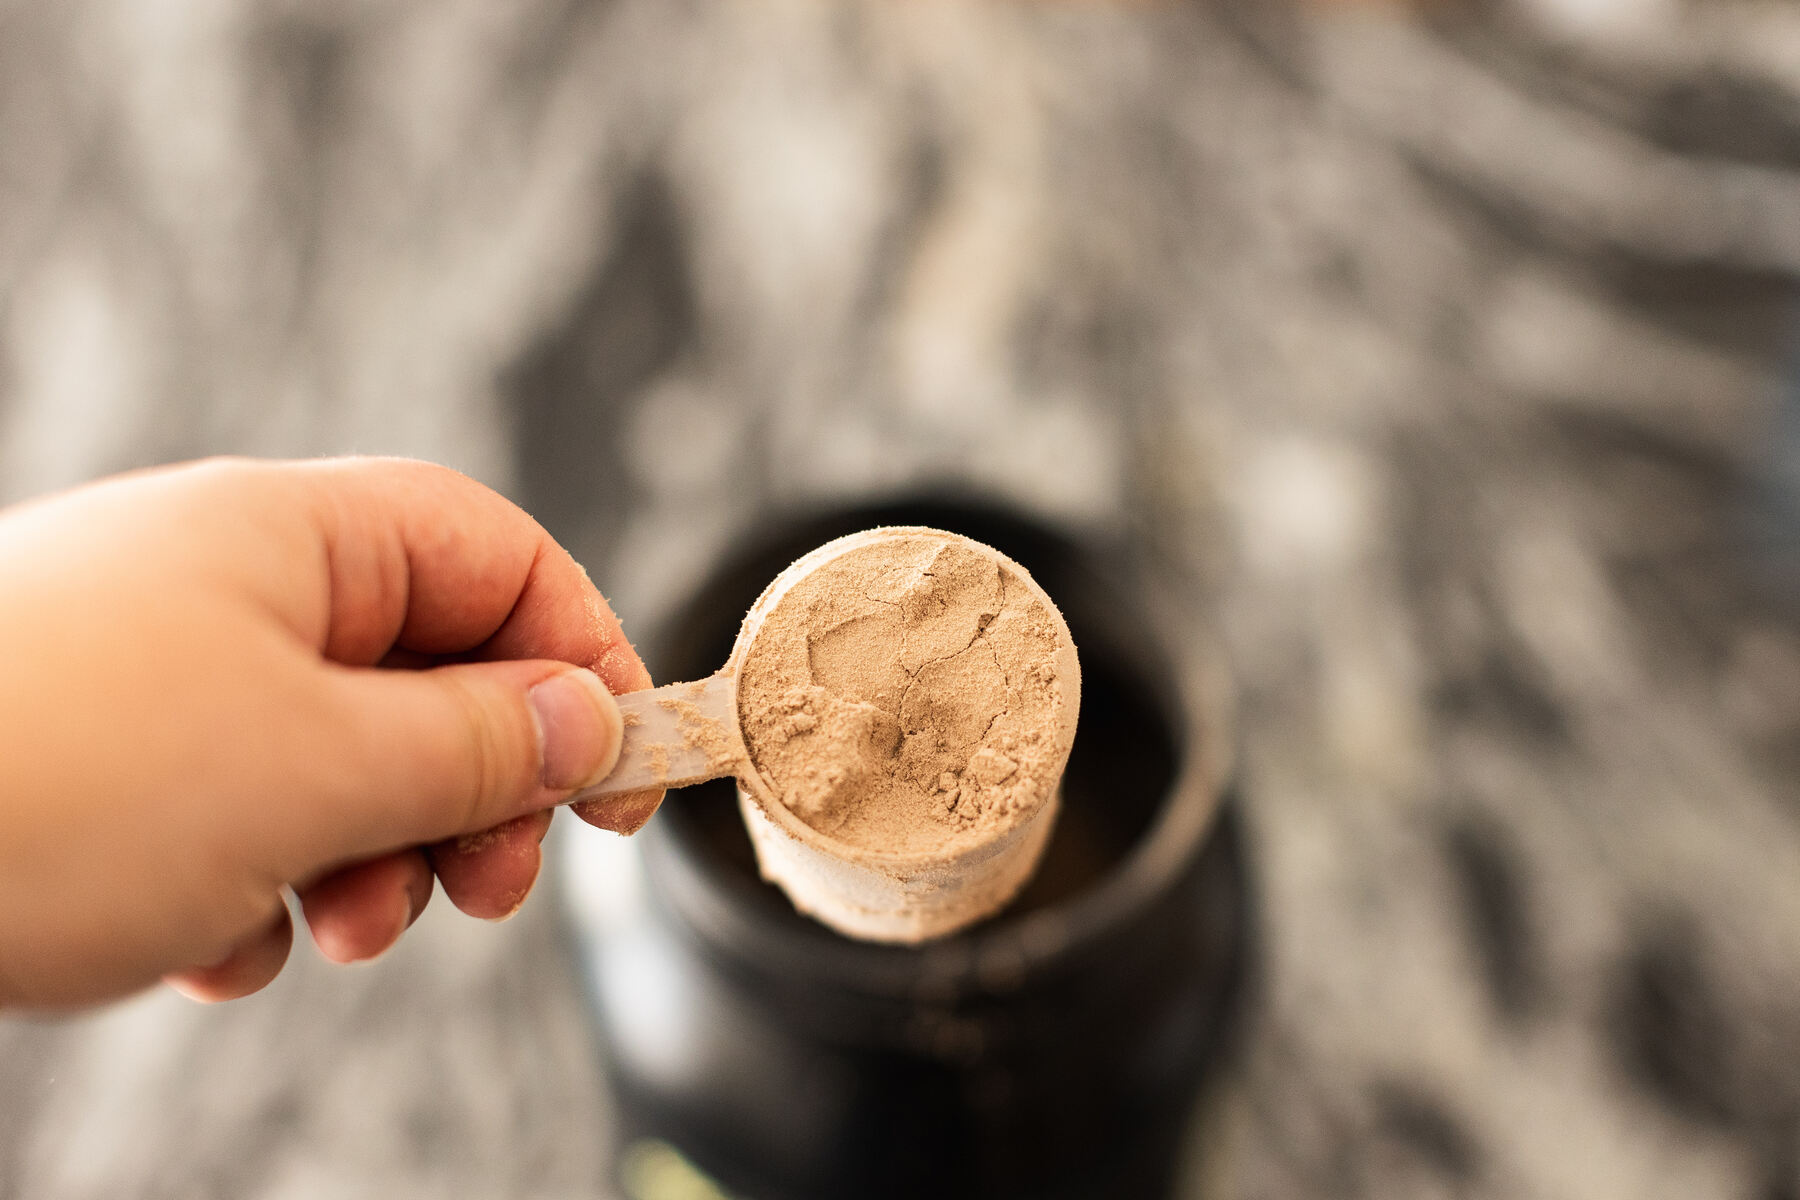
[903, 697]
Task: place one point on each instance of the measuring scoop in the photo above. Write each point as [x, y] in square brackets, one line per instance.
[686, 733]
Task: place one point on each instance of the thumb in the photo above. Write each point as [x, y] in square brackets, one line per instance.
[461, 748]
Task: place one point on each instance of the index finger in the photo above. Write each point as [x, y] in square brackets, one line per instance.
[422, 558]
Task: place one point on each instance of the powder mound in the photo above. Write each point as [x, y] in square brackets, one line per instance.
[903, 697]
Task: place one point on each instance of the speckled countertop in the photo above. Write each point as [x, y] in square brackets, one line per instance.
[1444, 359]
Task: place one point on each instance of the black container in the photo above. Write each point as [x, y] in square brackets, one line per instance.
[1054, 1051]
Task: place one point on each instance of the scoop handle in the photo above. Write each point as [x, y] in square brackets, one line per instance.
[677, 734]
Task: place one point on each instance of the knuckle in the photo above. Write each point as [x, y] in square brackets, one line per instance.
[491, 754]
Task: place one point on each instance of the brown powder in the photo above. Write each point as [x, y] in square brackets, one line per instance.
[904, 697]
[702, 732]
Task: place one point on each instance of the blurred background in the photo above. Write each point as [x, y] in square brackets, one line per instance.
[1446, 354]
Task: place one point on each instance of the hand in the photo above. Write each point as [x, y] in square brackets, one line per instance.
[220, 680]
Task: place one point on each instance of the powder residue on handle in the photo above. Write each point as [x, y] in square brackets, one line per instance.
[904, 697]
[701, 731]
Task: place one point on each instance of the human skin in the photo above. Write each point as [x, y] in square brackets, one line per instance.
[225, 679]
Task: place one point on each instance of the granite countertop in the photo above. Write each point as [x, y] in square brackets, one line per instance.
[1445, 358]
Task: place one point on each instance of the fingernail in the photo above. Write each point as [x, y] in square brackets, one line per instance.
[518, 902]
[579, 729]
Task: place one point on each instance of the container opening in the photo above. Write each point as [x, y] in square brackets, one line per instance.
[1124, 757]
